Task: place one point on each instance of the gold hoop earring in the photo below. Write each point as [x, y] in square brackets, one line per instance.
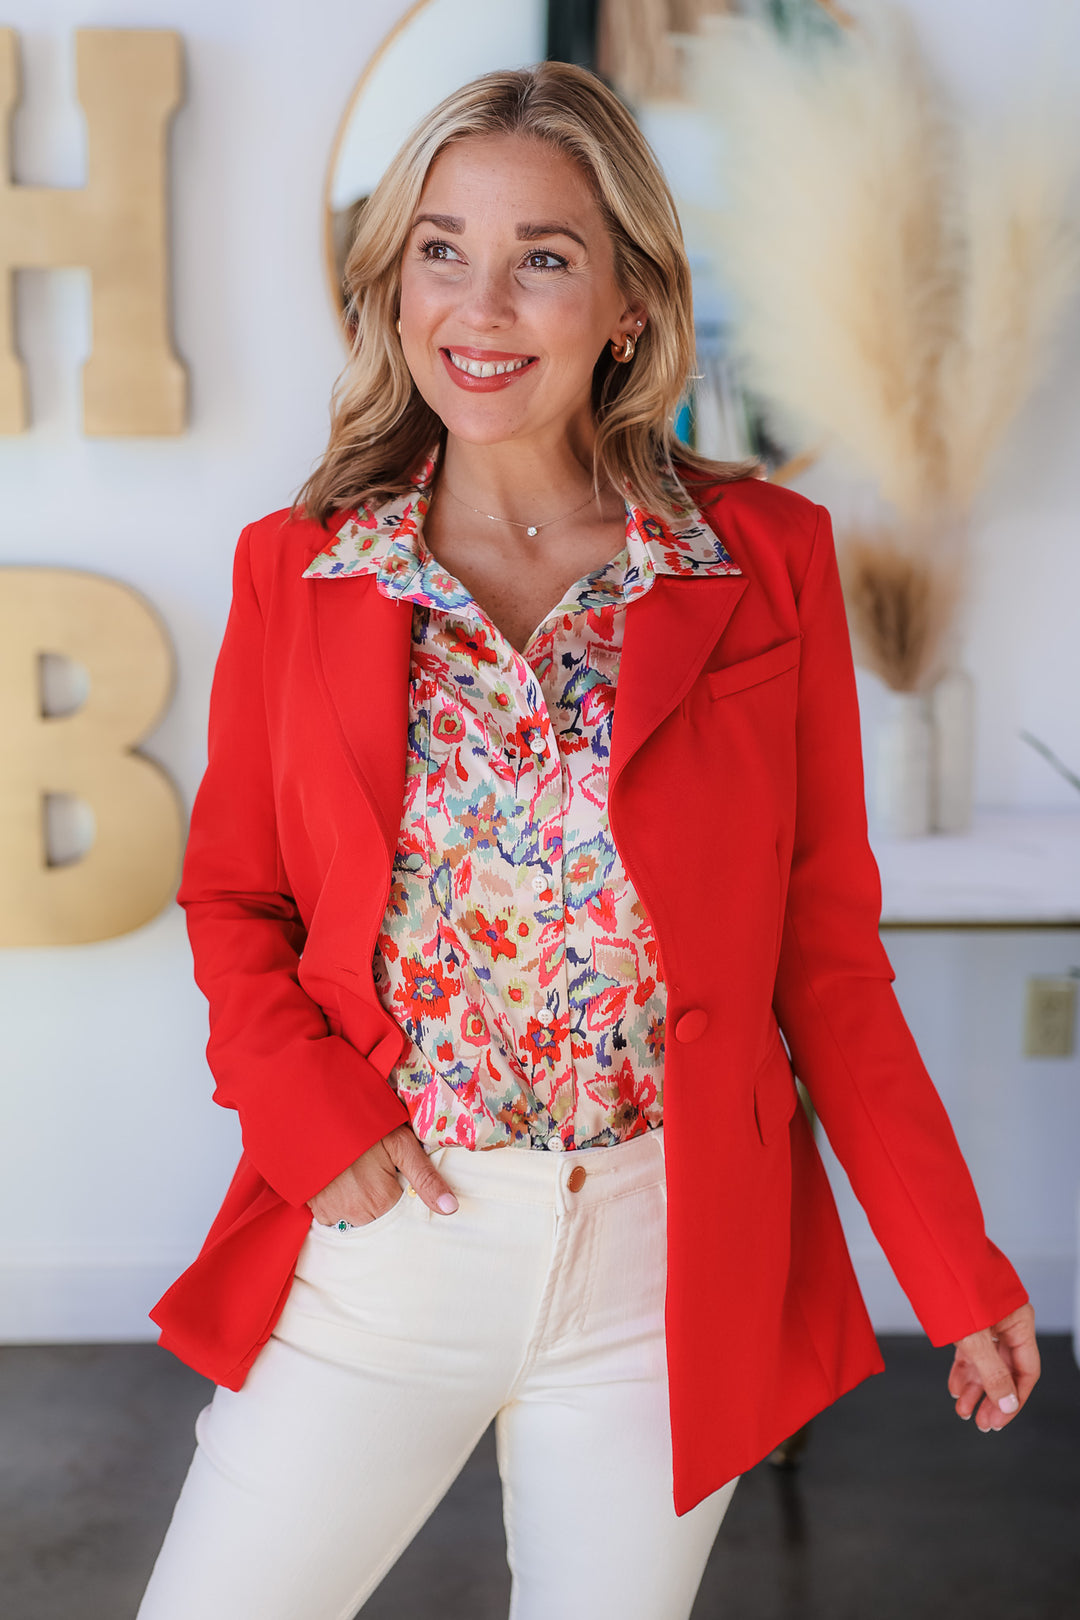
[399, 328]
[626, 352]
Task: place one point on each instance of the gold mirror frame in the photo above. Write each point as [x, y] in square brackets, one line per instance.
[331, 242]
[330, 255]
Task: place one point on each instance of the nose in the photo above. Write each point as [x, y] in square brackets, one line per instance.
[488, 302]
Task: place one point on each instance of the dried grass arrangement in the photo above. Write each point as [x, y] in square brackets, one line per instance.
[901, 603]
[899, 273]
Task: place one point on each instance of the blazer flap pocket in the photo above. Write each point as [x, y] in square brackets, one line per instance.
[775, 1095]
[752, 671]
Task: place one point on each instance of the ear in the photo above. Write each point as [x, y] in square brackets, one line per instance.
[631, 324]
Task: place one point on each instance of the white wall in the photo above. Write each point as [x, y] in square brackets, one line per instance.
[112, 1159]
[1017, 1119]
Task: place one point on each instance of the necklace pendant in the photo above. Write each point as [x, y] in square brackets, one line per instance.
[531, 529]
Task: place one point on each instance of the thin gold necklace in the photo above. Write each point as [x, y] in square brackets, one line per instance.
[530, 528]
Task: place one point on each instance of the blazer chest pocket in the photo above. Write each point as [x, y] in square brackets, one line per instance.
[762, 666]
[775, 1095]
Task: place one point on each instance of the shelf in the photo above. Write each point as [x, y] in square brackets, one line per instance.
[1015, 869]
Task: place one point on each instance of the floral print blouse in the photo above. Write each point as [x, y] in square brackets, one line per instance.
[514, 951]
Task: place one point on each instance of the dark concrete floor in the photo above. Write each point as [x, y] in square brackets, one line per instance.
[898, 1512]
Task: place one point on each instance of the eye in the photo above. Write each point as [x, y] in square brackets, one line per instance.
[426, 251]
[443, 253]
[544, 253]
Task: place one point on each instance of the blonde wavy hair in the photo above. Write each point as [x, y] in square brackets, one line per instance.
[381, 428]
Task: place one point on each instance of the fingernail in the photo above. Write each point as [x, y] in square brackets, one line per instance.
[447, 1204]
[1009, 1403]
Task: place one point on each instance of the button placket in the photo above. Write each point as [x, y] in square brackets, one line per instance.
[540, 899]
[547, 885]
[529, 721]
[548, 696]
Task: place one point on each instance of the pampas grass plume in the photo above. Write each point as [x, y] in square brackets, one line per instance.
[845, 287]
[901, 601]
[1020, 226]
[897, 278]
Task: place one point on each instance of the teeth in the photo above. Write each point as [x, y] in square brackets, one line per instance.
[485, 368]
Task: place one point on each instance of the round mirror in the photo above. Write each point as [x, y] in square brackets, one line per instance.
[437, 46]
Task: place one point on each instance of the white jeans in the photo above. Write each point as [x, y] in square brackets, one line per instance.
[540, 1303]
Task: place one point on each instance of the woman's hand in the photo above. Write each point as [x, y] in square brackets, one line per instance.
[370, 1187]
[1001, 1364]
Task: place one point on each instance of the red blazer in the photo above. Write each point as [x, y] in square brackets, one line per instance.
[736, 802]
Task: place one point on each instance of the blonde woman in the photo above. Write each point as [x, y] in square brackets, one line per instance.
[529, 864]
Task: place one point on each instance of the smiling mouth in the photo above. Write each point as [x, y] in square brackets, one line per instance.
[487, 368]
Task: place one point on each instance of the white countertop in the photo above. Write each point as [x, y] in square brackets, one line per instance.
[1015, 868]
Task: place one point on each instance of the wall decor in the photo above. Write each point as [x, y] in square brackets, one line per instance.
[641, 50]
[899, 268]
[434, 48]
[129, 84]
[572, 31]
[636, 48]
[129, 872]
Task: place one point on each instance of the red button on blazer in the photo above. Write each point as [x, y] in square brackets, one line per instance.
[736, 802]
[692, 1025]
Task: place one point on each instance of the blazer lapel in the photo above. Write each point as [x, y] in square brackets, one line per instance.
[670, 632]
[360, 644]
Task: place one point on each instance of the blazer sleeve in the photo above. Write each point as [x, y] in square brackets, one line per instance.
[309, 1103]
[835, 1004]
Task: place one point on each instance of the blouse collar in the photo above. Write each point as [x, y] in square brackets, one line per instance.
[387, 540]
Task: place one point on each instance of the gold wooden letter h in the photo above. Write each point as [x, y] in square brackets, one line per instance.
[129, 83]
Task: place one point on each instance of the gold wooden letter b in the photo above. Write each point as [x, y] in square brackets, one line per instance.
[129, 83]
[130, 871]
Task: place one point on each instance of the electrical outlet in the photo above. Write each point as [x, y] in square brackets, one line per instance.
[1050, 1018]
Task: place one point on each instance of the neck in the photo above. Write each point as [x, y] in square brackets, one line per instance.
[523, 482]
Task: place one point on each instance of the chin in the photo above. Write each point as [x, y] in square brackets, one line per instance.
[478, 427]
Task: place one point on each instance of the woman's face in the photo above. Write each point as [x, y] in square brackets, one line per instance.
[508, 263]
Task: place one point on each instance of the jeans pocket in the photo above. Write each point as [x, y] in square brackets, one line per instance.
[356, 1234]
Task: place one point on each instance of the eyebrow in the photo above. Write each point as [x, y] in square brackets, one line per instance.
[454, 225]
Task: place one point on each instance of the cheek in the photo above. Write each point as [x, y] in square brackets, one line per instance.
[572, 317]
[425, 291]
[568, 330]
[419, 295]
